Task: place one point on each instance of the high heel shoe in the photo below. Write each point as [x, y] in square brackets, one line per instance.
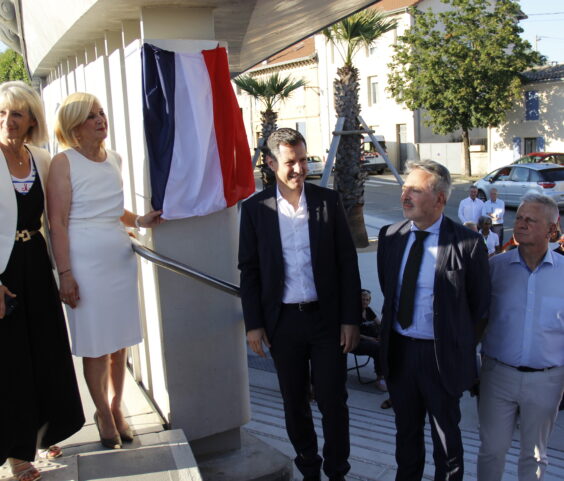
[126, 435]
[110, 443]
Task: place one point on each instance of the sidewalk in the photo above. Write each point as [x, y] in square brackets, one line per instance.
[372, 429]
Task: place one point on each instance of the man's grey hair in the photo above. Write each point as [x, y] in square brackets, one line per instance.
[550, 206]
[283, 136]
[442, 180]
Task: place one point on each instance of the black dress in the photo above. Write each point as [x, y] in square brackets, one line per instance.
[40, 402]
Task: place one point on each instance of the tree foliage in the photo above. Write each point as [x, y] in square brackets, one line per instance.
[349, 35]
[269, 91]
[462, 65]
[12, 67]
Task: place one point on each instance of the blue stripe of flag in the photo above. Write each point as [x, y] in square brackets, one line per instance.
[158, 72]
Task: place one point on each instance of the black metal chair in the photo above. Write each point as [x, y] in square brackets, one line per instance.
[357, 367]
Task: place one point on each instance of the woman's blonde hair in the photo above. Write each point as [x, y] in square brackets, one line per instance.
[72, 113]
[17, 95]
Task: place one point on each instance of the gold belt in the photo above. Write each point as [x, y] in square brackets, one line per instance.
[25, 235]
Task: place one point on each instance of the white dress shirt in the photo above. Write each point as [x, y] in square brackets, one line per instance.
[470, 210]
[496, 208]
[299, 285]
[422, 325]
[526, 321]
[492, 241]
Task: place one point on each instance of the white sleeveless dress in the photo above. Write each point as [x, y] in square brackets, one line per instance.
[106, 318]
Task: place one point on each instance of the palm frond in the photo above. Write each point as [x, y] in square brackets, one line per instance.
[270, 90]
[358, 30]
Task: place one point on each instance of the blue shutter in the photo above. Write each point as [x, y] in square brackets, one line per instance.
[516, 147]
[531, 105]
[540, 144]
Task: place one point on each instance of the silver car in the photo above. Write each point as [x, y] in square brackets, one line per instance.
[513, 181]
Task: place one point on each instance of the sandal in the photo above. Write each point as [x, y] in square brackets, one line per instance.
[29, 473]
[52, 452]
[387, 404]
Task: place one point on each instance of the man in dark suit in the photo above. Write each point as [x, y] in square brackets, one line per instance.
[434, 276]
[300, 290]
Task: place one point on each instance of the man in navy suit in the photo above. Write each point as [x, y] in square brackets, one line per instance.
[434, 276]
[300, 290]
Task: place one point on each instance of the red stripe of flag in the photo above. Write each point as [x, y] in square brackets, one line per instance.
[234, 153]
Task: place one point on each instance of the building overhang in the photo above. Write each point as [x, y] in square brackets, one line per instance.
[253, 29]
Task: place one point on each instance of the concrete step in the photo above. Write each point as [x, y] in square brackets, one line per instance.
[255, 461]
[161, 456]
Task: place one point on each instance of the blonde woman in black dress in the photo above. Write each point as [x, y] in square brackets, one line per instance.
[42, 404]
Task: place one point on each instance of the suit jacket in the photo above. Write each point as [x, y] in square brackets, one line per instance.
[333, 257]
[461, 297]
[9, 206]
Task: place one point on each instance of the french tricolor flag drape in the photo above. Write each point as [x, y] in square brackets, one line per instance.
[199, 158]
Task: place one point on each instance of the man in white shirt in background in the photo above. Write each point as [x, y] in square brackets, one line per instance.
[470, 208]
[495, 210]
[522, 374]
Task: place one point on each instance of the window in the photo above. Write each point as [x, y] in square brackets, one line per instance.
[520, 174]
[530, 145]
[372, 90]
[532, 105]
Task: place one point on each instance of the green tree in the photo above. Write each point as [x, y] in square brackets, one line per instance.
[269, 91]
[462, 66]
[12, 67]
[349, 36]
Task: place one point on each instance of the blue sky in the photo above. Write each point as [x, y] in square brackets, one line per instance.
[545, 27]
[546, 24]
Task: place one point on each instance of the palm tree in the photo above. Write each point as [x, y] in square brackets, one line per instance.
[349, 35]
[269, 91]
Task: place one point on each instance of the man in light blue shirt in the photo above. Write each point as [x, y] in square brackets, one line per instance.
[523, 369]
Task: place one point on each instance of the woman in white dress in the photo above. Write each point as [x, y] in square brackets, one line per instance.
[96, 265]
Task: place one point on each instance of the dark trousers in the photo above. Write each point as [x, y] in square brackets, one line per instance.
[370, 347]
[498, 229]
[301, 339]
[415, 389]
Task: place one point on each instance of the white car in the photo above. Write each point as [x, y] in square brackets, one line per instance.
[513, 181]
[315, 166]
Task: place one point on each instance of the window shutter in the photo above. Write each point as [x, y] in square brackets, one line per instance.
[540, 144]
[531, 105]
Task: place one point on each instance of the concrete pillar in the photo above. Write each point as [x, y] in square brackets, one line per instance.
[202, 329]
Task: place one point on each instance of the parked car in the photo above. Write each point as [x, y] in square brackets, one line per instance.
[513, 181]
[315, 166]
[536, 157]
[370, 160]
[372, 163]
